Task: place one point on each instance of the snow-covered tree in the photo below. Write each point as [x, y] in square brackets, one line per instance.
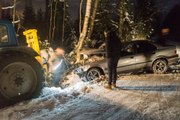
[29, 16]
[137, 19]
[107, 14]
[84, 30]
[103, 17]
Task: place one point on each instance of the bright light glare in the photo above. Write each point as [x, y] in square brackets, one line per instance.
[57, 66]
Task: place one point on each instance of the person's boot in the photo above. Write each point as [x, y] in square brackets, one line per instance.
[113, 85]
[107, 86]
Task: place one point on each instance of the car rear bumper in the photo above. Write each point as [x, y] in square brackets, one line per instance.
[173, 60]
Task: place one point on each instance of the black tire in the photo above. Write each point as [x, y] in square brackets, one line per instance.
[21, 78]
[93, 74]
[160, 66]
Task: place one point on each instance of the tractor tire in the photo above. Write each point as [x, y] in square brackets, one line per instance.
[21, 78]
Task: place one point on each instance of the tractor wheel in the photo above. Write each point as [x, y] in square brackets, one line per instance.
[21, 78]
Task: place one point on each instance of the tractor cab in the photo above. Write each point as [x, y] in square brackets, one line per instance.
[7, 32]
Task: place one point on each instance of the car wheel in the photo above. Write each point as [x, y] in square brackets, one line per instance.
[93, 74]
[160, 66]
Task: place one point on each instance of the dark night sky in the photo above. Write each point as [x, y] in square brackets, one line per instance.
[73, 5]
[21, 3]
[163, 5]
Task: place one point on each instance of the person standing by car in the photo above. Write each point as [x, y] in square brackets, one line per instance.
[113, 50]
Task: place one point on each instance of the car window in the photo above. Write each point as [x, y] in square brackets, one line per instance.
[3, 34]
[128, 49]
[145, 47]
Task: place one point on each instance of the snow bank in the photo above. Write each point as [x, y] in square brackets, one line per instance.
[52, 99]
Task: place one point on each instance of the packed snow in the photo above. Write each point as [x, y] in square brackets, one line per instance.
[139, 97]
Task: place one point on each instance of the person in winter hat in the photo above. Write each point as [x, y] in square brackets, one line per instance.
[113, 50]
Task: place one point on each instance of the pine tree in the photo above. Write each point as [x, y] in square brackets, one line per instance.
[144, 17]
[107, 14]
[29, 19]
[40, 23]
[137, 19]
[103, 17]
[39, 16]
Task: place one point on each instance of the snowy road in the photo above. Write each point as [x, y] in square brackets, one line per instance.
[139, 97]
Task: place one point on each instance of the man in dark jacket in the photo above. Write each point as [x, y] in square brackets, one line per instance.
[113, 49]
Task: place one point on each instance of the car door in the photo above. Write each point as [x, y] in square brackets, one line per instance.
[144, 55]
[127, 61]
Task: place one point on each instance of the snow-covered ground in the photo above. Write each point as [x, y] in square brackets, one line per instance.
[139, 97]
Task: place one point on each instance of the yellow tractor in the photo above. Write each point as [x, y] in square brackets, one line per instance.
[32, 41]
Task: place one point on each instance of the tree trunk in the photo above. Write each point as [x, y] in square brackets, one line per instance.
[14, 13]
[84, 30]
[54, 22]
[63, 24]
[92, 19]
[80, 16]
[0, 9]
[50, 23]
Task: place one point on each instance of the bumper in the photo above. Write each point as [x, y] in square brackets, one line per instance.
[81, 70]
[173, 60]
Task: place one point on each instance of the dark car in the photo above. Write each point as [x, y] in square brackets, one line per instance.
[135, 55]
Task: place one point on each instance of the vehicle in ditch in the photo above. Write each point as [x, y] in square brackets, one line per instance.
[135, 55]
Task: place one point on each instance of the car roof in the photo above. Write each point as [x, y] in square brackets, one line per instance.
[136, 41]
[141, 41]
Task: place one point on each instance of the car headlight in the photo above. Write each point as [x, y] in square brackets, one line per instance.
[78, 70]
[81, 69]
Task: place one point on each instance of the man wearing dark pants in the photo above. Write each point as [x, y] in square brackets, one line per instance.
[113, 50]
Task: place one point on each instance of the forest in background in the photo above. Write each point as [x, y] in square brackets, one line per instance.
[133, 19]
